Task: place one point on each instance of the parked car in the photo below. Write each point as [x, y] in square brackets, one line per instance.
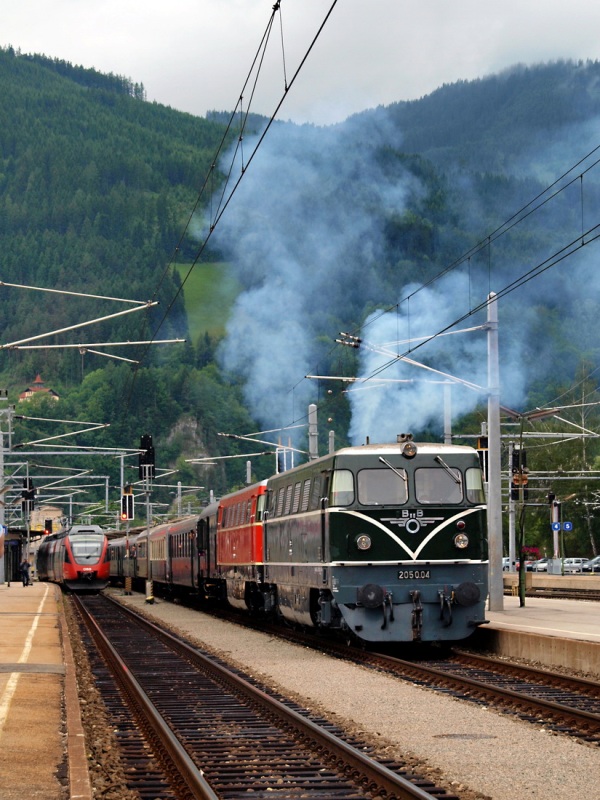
[593, 565]
[541, 565]
[571, 565]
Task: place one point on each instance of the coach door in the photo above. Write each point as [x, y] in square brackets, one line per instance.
[207, 543]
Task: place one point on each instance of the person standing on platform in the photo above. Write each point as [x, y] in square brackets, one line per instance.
[25, 572]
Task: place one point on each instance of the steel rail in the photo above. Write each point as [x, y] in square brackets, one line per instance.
[185, 767]
[374, 777]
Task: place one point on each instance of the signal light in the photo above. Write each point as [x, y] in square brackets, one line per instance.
[127, 504]
[520, 474]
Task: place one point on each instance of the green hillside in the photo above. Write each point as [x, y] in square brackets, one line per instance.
[209, 292]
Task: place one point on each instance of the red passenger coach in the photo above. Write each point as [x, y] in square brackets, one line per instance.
[240, 549]
[182, 562]
[76, 558]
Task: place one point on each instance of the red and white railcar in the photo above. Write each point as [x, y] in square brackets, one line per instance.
[76, 557]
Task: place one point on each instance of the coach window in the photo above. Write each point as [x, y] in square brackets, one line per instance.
[382, 487]
[342, 487]
[438, 486]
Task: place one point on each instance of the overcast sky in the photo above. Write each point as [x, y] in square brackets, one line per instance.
[194, 55]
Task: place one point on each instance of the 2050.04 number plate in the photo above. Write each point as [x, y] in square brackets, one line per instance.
[414, 574]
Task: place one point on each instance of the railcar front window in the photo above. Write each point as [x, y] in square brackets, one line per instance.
[342, 488]
[86, 548]
[438, 486]
[382, 487]
[475, 491]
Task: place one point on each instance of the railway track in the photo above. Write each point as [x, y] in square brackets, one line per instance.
[191, 727]
[563, 703]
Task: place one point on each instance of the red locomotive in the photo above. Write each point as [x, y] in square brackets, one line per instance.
[76, 558]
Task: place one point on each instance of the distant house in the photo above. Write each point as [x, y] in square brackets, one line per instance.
[38, 387]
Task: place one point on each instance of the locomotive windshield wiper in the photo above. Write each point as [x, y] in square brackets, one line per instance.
[398, 472]
[456, 478]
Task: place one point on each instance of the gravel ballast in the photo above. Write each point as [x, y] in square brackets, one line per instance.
[471, 750]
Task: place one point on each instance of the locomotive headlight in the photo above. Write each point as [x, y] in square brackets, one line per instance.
[363, 542]
[461, 540]
[409, 450]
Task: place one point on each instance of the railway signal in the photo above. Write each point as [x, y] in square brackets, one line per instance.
[127, 504]
[520, 474]
[27, 496]
[146, 458]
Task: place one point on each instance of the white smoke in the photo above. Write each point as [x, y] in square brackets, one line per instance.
[305, 232]
[409, 377]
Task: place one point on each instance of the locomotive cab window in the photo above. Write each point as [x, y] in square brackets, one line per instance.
[475, 491]
[437, 485]
[342, 487]
[378, 487]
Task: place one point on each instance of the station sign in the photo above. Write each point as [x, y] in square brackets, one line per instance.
[566, 526]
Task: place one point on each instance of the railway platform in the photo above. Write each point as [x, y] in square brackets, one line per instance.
[41, 736]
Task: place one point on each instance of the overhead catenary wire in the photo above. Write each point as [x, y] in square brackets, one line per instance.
[207, 186]
[227, 195]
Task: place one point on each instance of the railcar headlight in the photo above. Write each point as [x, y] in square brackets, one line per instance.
[461, 540]
[363, 542]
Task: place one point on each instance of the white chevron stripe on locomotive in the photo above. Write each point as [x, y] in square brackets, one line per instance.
[412, 553]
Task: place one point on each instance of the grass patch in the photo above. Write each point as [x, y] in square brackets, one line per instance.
[209, 293]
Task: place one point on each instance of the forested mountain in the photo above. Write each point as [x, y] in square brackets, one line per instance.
[95, 186]
[329, 226]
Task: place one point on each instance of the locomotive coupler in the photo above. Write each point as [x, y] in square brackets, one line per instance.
[387, 601]
[445, 608]
[417, 615]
